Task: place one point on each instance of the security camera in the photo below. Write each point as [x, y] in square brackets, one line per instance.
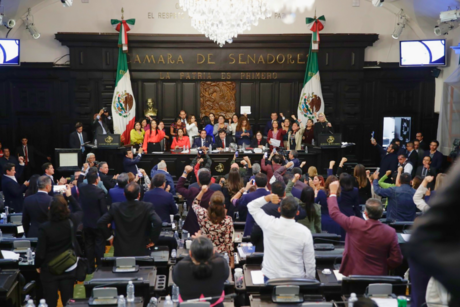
[33, 31]
[449, 15]
[67, 3]
[443, 28]
[399, 27]
[377, 3]
[10, 23]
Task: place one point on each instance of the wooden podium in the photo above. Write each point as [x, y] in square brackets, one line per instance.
[108, 141]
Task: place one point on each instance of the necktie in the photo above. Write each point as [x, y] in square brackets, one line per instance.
[103, 130]
[223, 143]
[424, 172]
[202, 142]
[81, 142]
[26, 155]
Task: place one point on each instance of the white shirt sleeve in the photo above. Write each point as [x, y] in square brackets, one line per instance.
[418, 199]
[309, 258]
[262, 219]
[408, 168]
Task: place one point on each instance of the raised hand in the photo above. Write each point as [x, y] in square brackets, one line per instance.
[375, 175]
[334, 187]
[295, 178]
[331, 164]
[204, 188]
[188, 169]
[400, 169]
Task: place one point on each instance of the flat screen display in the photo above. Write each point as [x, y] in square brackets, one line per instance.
[396, 128]
[423, 53]
[9, 51]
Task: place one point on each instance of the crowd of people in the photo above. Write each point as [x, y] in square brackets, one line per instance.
[281, 204]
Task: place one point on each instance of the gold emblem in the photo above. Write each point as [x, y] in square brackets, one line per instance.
[109, 139]
[330, 140]
[220, 168]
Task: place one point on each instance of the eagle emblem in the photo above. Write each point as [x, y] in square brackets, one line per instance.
[123, 103]
[108, 139]
[310, 104]
[330, 140]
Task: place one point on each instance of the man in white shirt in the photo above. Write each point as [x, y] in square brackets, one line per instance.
[406, 164]
[288, 246]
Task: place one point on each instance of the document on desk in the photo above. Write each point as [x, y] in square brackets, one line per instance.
[257, 277]
[10, 255]
[386, 302]
[338, 276]
[405, 236]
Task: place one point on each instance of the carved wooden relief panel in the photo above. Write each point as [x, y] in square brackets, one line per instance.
[218, 98]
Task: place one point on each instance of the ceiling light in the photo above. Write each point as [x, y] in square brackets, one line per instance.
[67, 3]
[377, 3]
[400, 25]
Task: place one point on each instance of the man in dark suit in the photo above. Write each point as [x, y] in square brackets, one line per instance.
[48, 169]
[108, 181]
[212, 186]
[117, 193]
[12, 190]
[36, 207]
[388, 158]
[78, 137]
[130, 163]
[7, 158]
[163, 202]
[161, 168]
[223, 141]
[423, 144]
[203, 140]
[242, 202]
[92, 200]
[101, 123]
[28, 152]
[426, 170]
[136, 221]
[420, 152]
[435, 155]
[412, 156]
[191, 221]
[368, 241]
[269, 125]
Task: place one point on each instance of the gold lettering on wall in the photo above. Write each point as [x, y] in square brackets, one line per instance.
[170, 60]
[161, 59]
[179, 59]
[239, 59]
[261, 59]
[147, 58]
[209, 59]
[252, 59]
[268, 58]
[231, 57]
[278, 60]
[163, 76]
[259, 75]
[137, 59]
[298, 59]
[198, 60]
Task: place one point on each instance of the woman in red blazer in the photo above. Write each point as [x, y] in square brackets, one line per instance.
[275, 133]
[180, 140]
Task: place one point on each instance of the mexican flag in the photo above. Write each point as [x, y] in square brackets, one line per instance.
[311, 98]
[123, 102]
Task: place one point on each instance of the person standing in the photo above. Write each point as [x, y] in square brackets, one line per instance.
[130, 163]
[275, 133]
[220, 125]
[322, 126]
[92, 200]
[163, 202]
[108, 181]
[309, 133]
[288, 246]
[48, 169]
[423, 145]
[55, 237]
[29, 152]
[78, 138]
[435, 155]
[12, 190]
[295, 136]
[273, 118]
[243, 133]
[192, 127]
[371, 247]
[153, 138]
[388, 158]
[136, 135]
[137, 224]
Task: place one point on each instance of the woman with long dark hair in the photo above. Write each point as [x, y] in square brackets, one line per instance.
[307, 202]
[212, 118]
[202, 273]
[233, 123]
[137, 134]
[208, 127]
[33, 186]
[54, 238]
[214, 222]
[180, 140]
[178, 124]
[152, 138]
[276, 133]
[243, 131]
[145, 124]
[220, 125]
[359, 178]
[231, 186]
[258, 141]
[192, 127]
[327, 223]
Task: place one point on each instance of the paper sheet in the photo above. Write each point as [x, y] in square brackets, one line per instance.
[275, 143]
[386, 302]
[248, 151]
[338, 276]
[246, 110]
[257, 277]
[405, 236]
[10, 255]
[68, 159]
[158, 152]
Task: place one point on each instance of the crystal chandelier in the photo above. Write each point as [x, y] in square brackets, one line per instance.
[223, 20]
[289, 8]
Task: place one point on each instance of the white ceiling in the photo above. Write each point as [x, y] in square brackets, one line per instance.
[424, 12]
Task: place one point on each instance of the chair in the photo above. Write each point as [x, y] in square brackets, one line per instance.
[359, 283]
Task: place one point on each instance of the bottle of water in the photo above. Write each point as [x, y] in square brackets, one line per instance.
[352, 299]
[43, 303]
[239, 278]
[153, 302]
[130, 292]
[7, 212]
[30, 303]
[173, 255]
[168, 302]
[226, 258]
[306, 149]
[121, 301]
[29, 255]
[1, 235]
[210, 147]
[183, 149]
[176, 236]
[95, 143]
[175, 293]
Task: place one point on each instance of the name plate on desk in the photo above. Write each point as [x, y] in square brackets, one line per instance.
[108, 141]
[330, 140]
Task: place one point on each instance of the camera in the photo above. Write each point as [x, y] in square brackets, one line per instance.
[105, 109]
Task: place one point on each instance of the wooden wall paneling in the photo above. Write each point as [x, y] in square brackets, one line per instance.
[188, 97]
[169, 101]
[247, 96]
[286, 99]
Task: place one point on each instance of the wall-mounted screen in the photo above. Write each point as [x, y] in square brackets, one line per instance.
[396, 128]
[423, 53]
[10, 50]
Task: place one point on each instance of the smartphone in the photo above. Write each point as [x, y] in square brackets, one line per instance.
[253, 181]
[378, 169]
[236, 154]
[266, 155]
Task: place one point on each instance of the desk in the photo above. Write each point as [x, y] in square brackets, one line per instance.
[138, 302]
[259, 301]
[144, 285]
[14, 229]
[228, 302]
[7, 242]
